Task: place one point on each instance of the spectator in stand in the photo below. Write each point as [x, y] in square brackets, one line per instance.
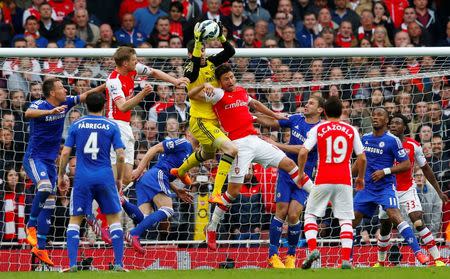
[177, 22]
[255, 12]
[383, 17]
[419, 36]
[147, 17]
[324, 20]
[81, 4]
[161, 32]
[306, 35]
[88, 32]
[70, 70]
[165, 101]
[6, 31]
[48, 28]
[360, 114]
[172, 128]
[328, 35]
[281, 21]
[438, 125]
[428, 20]
[274, 101]
[301, 7]
[439, 161]
[175, 42]
[288, 39]
[151, 132]
[446, 41]
[10, 153]
[34, 11]
[409, 16]
[179, 110]
[212, 11]
[343, 13]
[32, 29]
[396, 9]
[345, 37]
[130, 6]
[424, 134]
[380, 37]
[107, 38]
[401, 39]
[237, 21]
[367, 28]
[70, 36]
[261, 31]
[20, 80]
[62, 8]
[248, 39]
[128, 34]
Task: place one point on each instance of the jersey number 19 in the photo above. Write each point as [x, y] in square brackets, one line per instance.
[336, 149]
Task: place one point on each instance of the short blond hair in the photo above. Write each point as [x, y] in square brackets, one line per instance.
[123, 54]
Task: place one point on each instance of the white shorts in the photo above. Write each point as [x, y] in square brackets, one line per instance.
[126, 134]
[340, 196]
[253, 149]
[409, 202]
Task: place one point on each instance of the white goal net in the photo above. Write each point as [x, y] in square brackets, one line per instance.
[414, 82]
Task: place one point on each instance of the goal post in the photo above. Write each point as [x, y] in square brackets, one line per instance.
[411, 81]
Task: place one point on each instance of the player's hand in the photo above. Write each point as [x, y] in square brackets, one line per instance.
[59, 109]
[221, 36]
[279, 116]
[198, 33]
[147, 89]
[185, 195]
[119, 186]
[63, 182]
[208, 88]
[444, 198]
[359, 183]
[377, 175]
[182, 82]
[136, 174]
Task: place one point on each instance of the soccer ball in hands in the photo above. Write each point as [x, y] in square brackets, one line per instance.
[211, 29]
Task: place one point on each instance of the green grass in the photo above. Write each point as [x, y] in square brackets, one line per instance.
[366, 273]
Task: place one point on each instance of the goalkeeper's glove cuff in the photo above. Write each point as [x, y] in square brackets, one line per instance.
[222, 39]
[197, 49]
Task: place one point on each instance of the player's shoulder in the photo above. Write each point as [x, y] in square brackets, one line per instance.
[367, 135]
[412, 142]
[38, 104]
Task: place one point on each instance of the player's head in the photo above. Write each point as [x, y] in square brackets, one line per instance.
[125, 57]
[226, 77]
[54, 89]
[380, 118]
[95, 102]
[314, 106]
[398, 125]
[333, 107]
[190, 47]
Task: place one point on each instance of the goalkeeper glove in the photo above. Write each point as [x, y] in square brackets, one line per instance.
[198, 33]
[221, 37]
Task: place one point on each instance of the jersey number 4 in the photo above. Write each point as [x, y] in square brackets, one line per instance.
[91, 146]
[336, 149]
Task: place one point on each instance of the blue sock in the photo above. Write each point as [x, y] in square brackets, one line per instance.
[116, 233]
[293, 236]
[43, 226]
[408, 234]
[36, 207]
[276, 227]
[133, 212]
[150, 221]
[73, 239]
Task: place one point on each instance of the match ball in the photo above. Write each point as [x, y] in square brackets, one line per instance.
[211, 28]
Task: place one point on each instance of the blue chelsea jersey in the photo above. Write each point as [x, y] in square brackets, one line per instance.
[46, 131]
[175, 152]
[381, 152]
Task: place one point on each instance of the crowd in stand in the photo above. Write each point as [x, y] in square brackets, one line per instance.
[251, 23]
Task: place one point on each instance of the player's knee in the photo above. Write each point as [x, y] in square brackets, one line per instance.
[293, 217]
[418, 224]
[50, 203]
[167, 210]
[45, 186]
[287, 164]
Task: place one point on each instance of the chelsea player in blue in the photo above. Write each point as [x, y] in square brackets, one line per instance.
[46, 127]
[382, 149]
[155, 187]
[93, 136]
[290, 199]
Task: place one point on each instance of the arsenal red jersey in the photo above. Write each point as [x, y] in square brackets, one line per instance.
[118, 86]
[336, 142]
[415, 154]
[232, 111]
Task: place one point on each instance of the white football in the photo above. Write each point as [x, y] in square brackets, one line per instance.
[211, 28]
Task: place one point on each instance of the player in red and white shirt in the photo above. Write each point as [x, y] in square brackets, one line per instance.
[335, 142]
[407, 194]
[120, 99]
[231, 105]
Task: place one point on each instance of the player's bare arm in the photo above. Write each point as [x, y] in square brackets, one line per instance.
[97, 89]
[120, 152]
[267, 121]
[199, 93]
[379, 174]
[36, 113]
[126, 105]
[63, 160]
[151, 153]
[295, 149]
[182, 193]
[429, 175]
[179, 82]
[260, 107]
[360, 166]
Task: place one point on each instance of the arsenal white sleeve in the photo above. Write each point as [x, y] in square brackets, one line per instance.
[141, 69]
[215, 96]
[115, 89]
[419, 156]
[357, 144]
[311, 141]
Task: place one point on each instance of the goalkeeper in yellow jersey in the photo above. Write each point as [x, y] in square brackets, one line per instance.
[203, 123]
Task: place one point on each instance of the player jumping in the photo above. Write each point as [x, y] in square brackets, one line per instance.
[382, 150]
[335, 142]
[94, 135]
[203, 123]
[407, 194]
[290, 200]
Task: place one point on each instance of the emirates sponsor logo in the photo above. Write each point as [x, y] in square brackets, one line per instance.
[238, 103]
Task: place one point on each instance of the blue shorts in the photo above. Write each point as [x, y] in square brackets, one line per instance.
[287, 190]
[38, 170]
[153, 182]
[104, 191]
[366, 201]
